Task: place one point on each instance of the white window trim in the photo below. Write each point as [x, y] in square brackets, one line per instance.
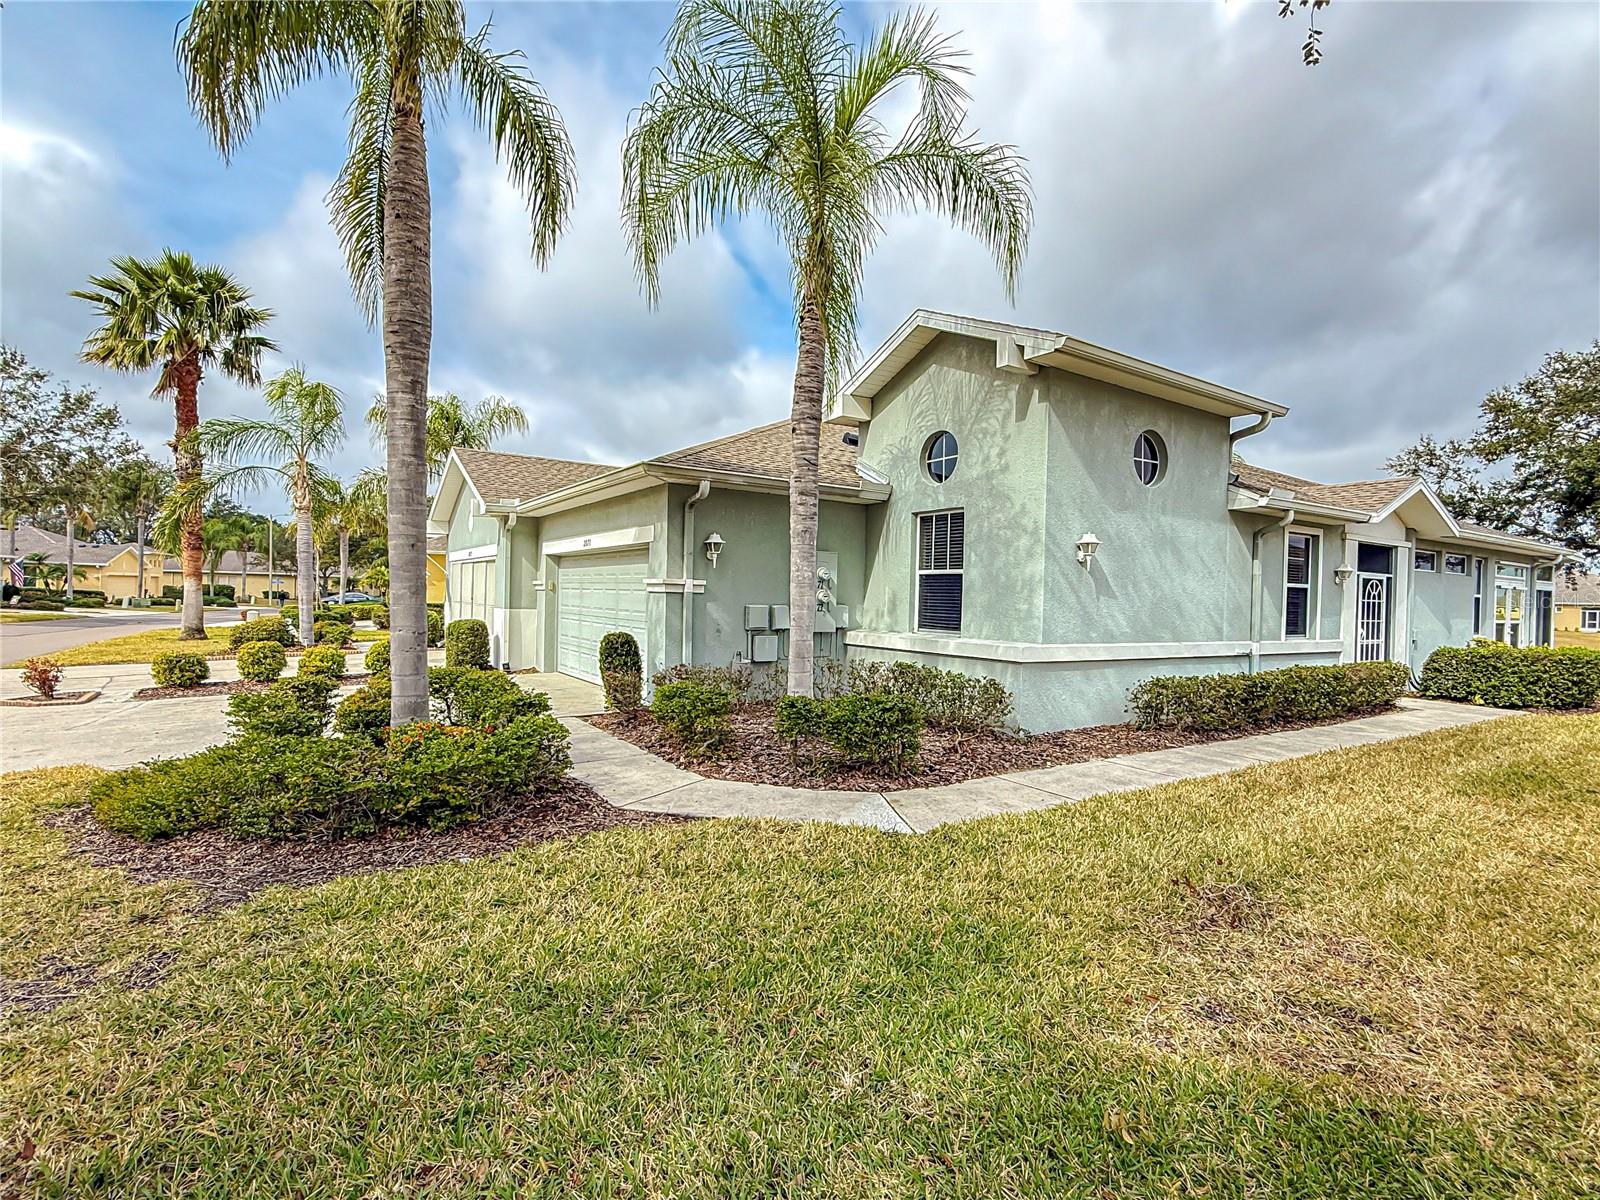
[1466, 563]
[953, 459]
[916, 592]
[1589, 620]
[1313, 586]
[1480, 603]
[1433, 558]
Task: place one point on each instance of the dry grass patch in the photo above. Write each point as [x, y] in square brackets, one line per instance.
[141, 647]
[1373, 973]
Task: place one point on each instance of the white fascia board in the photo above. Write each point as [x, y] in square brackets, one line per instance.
[454, 474]
[1521, 545]
[1242, 500]
[1151, 379]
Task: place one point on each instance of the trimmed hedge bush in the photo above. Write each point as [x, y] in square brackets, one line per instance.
[327, 661]
[1222, 703]
[468, 696]
[435, 628]
[331, 633]
[621, 672]
[696, 714]
[179, 668]
[295, 707]
[261, 662]
[262, 629]
[466, 644]
[380, 616]
[965, 703]
[1511, 677]
[376, 660]
[876, 728]
[364, 712]
[297, 786]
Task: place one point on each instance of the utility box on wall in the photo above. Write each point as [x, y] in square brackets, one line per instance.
[764, 648]
[780, 617]
[756, 616]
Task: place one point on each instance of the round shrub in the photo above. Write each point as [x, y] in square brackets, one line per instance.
[435, 628]
[261, 662]
[327, 661]
[262, 629]
[877, 728]
[466, 644]
[295, 707]
[331, 633]
[800, 717]
[376, 660]
[380, 616]
[696, 714]
[621, 672]
[364, 712]
[179, 668]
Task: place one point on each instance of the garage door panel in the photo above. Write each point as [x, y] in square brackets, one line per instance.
[595, 595]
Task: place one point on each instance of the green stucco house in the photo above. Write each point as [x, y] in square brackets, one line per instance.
[1000, 500]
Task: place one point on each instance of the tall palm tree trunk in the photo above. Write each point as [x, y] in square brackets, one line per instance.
[407, 338]
[344, 561]
[138, 537]
[806, 431]
[305, 568]
[187, 459]
[244, 572]
[71, 544]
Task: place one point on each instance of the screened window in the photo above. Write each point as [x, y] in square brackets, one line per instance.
[1149, 457]
[941, 558]
[1589, 621]
[1455, 564]
[940, 458]
[1299, 584]
[1427, 561]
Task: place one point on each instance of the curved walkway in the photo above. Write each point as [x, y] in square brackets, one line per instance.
[629, 777]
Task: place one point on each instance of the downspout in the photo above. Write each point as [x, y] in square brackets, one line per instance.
[700, 494]
[1256, 597]
[1244, 431]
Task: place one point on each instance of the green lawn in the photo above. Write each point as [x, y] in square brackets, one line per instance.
[1381, 983]
[141, 647]
[1573, 637]
[20, 618]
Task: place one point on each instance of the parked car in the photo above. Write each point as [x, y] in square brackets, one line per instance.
[350, 598]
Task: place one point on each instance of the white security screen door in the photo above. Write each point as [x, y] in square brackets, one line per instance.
[1372, 618]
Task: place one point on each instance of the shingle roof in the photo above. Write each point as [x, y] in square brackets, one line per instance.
[1577, 589]
[523, 476]
[33, 540]
[1372, 495]
[765, 450]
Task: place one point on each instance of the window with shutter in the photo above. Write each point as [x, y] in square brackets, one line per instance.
[1299, 580]
[941, 558]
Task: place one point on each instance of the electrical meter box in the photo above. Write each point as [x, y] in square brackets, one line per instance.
[756, 616]
[780, 616]
[764, 648]
[841, 616]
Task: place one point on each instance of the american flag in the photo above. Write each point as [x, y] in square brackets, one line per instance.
[14, 572]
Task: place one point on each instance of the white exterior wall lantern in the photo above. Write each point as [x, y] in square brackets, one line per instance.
[1087, 545]
[714, 546]
[1342, 573]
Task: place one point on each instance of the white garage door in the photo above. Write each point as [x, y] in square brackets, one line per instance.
[596, 594]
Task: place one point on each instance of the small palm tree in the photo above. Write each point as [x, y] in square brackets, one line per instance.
[240, 56]
[356, 511]
[183, 320]
[763, 106]
[305, 424]
[453, 423]
[137, 489]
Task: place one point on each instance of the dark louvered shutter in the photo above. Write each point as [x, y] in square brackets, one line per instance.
[941, 556]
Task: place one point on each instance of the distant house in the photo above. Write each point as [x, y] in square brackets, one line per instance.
[1577, 600]
[114, 569]
[996, 499]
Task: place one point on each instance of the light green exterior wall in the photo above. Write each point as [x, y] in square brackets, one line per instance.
[467, 528]
[1327, 596]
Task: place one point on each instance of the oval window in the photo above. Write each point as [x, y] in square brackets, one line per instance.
[940, 456]
[1149, 457]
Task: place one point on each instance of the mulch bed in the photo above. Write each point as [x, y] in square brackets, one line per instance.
[225, 687]
[756, 754]
[227, 870]
[58, 699]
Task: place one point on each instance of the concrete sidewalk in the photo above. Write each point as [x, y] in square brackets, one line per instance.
[629, 777]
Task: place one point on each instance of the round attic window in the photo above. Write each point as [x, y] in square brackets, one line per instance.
[940, 456]
[1149, 457]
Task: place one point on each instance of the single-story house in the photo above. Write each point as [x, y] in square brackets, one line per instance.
[1577, 600]
[996, 499]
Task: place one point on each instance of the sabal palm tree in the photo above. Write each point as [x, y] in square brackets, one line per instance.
[453, 423]
[355, 511]
[305, 424]
[763, 106]
[240, 56]
[172, 315]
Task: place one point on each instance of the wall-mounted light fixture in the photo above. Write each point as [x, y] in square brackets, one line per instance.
[714, 546]
[1087, 545]
[1341, 574]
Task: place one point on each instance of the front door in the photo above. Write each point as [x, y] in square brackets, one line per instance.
[1509, 601]
[1372, 618]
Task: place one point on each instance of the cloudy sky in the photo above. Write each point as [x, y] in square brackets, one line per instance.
[1375, 242]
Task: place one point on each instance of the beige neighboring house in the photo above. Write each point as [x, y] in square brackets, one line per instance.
[1578, 603]
[114, 569]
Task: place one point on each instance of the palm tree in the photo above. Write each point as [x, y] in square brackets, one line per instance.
[354, 511]
[170, 314]
[304, 424]
[452, 423]
[223, 532]
[764, 106]
[240, 56]
[137, 490]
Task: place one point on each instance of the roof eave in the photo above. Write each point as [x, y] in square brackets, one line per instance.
[1241, 499]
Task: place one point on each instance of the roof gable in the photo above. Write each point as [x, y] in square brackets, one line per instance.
[767, 451]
